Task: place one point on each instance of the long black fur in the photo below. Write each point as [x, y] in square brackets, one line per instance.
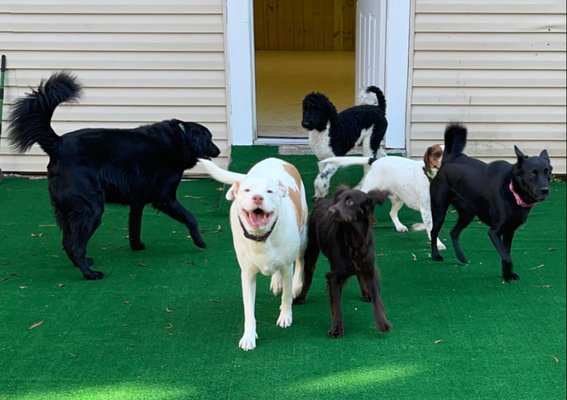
[341, 228]
[346, 126]
[478, 189]
[90, 167]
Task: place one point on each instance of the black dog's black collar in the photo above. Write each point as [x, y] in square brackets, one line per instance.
[255, 238]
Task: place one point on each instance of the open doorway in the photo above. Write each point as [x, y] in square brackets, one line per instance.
[300, 47]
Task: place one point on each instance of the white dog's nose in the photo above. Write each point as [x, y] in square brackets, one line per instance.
[257, 199]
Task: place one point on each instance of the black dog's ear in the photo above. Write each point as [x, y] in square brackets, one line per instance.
[521, 156]
[544, 154]
[377, 196]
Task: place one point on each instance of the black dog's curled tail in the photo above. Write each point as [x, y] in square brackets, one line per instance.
[30, 116]
[379, 95]
[455, 141]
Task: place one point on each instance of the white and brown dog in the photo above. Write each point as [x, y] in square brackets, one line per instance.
[406, 180]
[268, 219]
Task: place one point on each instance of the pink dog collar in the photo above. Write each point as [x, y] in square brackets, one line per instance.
[519, 200]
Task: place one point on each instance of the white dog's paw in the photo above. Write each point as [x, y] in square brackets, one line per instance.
[440, 245]
[284, 320]
[248, 341]
[276, 283]
[401, 228]
[418, 227]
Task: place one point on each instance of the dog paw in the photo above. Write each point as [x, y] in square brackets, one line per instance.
[401, 228]
[248, 341]
[512, 276]
[93, 275]
[137, 246]
[384, 326]
[199, 243]
[436, 257]
[336, 332]
[441, 246]
[284, 320]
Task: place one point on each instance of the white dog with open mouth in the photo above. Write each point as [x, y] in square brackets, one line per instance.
[268, 219]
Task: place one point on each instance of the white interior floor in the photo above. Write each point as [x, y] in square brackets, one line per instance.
[283, 78]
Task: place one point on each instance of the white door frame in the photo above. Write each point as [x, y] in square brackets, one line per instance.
[241, 73]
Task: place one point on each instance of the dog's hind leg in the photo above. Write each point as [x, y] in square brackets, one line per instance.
[397, 204]
[77, 232]
[503, 244]
[175, 210]
[465, 218]
[310, 262]
[135, 226]
[382, 322]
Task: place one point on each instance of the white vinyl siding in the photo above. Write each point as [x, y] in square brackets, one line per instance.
[139, 61]
[497, 66]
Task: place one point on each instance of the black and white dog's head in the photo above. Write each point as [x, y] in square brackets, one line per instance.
[317, 112]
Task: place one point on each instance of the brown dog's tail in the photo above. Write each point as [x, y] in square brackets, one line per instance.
[30, 117]
[455, 141]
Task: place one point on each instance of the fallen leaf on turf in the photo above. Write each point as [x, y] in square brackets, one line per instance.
[167, 309]
[438, 341]
[142, 265]
[60, 285]
[551, 249]
[169, 326]
[219, 228]
[542, 286]
[34, 235]
[534, 268]
[414, 257]
[188, 196]
[23, 287]
[33, 326]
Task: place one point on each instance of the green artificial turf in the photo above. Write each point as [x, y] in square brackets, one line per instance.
[165, 322]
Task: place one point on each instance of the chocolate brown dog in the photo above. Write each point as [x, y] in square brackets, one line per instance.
[341, 228]
[500, 194]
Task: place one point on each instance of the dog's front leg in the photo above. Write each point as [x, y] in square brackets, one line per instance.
[135, 226]
[175, 210]
[285, 318]
[503, 243]
[248, 280]
[335, 288]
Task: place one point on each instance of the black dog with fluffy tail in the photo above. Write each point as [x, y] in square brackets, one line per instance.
[89, 167]
[500, 194]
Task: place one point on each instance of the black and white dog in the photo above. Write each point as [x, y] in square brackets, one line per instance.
[335, 134]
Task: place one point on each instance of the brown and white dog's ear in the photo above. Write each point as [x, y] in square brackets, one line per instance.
[233, 191]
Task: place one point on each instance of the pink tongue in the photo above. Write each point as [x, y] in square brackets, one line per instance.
[257, 220]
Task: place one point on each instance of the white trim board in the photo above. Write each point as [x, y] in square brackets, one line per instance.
[241, 74]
